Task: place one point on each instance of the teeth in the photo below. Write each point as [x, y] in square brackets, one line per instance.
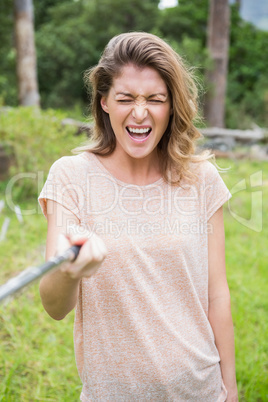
[138, 130]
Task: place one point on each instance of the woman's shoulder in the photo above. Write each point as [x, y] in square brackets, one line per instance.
[77, 162]
[204, 170]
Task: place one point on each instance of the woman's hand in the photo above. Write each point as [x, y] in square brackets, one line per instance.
[90, 257]
[59, 289]
[232, 398]
[232, 395]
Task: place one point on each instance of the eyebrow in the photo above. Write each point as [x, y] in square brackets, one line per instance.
[150, 96]
[124, 93]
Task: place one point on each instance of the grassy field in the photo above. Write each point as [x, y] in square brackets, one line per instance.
[246, 259]
[36, 353]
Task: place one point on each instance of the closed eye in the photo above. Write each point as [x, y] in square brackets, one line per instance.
[155, 101]
[124, 100]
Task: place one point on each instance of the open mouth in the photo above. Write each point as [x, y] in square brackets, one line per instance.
[139, 134]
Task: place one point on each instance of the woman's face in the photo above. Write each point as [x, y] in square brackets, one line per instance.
[139, 108]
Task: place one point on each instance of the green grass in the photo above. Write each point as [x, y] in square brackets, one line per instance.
[37, 358]
[36, 353]
[37, 138]
[246, 261]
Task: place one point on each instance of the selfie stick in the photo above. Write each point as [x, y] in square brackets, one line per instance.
[32, 273]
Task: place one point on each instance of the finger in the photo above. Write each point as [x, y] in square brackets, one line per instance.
[78, 232]
[90, 259]
[100, 243]
[78, 241]
[63, 243]
[98, 248]
[91, 255]
[102, 246]
[90, 272]
[91, 250]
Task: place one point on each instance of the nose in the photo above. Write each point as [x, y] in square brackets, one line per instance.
[139, 112]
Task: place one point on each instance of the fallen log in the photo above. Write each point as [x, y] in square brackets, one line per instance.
[256, 134]
[81, 127]
[251, 154]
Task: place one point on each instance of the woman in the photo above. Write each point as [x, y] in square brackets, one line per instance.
[153, 319]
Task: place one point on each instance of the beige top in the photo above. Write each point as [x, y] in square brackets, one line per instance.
[141, 327]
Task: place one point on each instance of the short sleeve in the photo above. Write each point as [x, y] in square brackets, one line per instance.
[216, 192]
[62, 186]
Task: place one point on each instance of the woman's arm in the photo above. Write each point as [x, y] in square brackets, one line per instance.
[59, 289]
[219, 312]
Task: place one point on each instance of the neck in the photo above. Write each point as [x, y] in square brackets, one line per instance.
[140, 171]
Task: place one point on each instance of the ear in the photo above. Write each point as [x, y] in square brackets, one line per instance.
[104, 105]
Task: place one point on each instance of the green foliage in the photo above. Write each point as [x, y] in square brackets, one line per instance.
[72, 49]
[7, 55]
[247, 98]
[42, 10]
[188, 18]
[38, 139]
[71, 35]
[66, 50]
[75, 46]
[116, 16]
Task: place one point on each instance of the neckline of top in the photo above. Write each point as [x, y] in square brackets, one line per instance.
[89, 154]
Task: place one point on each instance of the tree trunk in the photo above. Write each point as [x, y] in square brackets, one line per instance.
[238, 4]
[216, 76]
[26, 56]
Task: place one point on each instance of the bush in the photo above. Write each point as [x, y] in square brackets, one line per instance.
[38, 139]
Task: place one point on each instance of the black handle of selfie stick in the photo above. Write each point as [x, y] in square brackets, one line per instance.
[32, 273]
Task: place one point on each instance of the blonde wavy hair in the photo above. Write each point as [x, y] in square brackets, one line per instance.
[177, 146]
